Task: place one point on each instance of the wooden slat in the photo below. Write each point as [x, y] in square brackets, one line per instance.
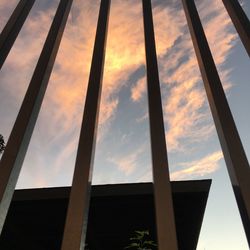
[166, 231]
[234, 154]
[77, 214]
[13, 156]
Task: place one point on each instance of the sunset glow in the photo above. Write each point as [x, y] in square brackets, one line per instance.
[123, 146]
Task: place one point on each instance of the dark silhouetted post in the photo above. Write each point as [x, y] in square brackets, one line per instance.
[240, 21]
[13, 27]
[235, 157]
[12, 159]
[165, 220]
[77, 214]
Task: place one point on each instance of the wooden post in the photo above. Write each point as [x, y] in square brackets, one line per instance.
[77, 214]
[165, 220]
[234, 154]
[13, 27]
[13, 156]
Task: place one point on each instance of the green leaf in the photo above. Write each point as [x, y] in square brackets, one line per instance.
[140, 242]
[141, 233]
[150, 243]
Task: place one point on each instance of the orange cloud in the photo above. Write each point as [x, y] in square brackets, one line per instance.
[185, 107]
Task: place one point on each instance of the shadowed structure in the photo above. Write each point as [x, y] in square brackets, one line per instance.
[36, 217]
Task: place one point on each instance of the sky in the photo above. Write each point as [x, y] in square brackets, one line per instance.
[123, 145]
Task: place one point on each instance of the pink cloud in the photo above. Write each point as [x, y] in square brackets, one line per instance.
[185, 107]
[198, 168]
[6, 9]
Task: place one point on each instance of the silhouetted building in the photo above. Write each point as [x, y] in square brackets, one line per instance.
[36, 217]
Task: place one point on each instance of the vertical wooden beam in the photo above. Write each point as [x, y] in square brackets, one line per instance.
[240, 21]
[234, 154]
[77, 214]
[12, 159]
[13, 27]
[166, 231]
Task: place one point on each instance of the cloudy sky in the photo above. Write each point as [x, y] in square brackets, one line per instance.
[123, 147]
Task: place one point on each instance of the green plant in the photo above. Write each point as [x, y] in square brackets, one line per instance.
[141, 241]
[2, 144]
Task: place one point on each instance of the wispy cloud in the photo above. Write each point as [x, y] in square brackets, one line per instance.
[198, 168]
[6, 9]
[127, 163]
[191, 169]
[139, 89]
[186, 111]
[184, 101]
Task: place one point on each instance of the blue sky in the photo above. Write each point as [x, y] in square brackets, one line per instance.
[123, 147]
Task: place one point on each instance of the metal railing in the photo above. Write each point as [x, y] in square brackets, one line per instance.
[77, 215]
